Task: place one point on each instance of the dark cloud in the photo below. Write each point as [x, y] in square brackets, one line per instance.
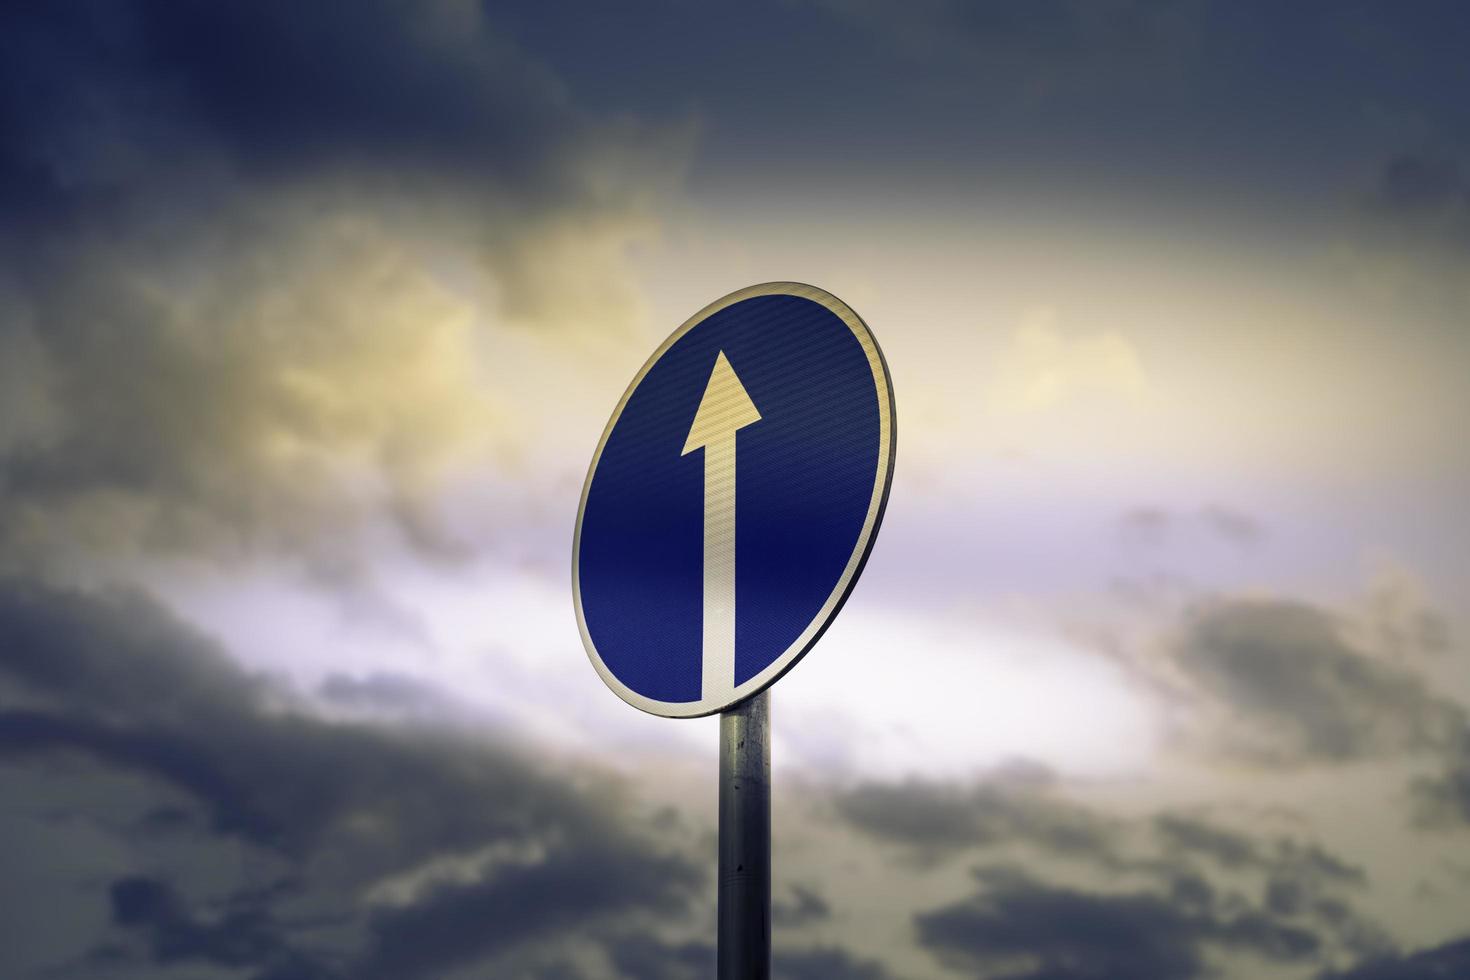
[1443, 800]
[1410, 242]
[1018, 927]
[1179, 858]
[1178, 885]
[245, 936]
[824, 963]
[1172, 894]
[934, 819]
[1440, 963]
[460, 924]
[1061, 28]
[1066, 96]
[1419, 184]
[223, 306]
[1223, 846]
[1424, 199]
[1055, 53]
[1298, 883]
[640, 956]
[432, 853]
[645, 957]
[1297, 691]
[1234, 850]
[101, 100]
[1103, 95]
[468, 842]
[119, 678]
[803, 908]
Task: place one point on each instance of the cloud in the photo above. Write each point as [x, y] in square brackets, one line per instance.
[1042, 53]
[1233, 850]
[1299, 882]
[1167, 889]
[121, 99]
[1146, 525]
[1226, 847]
[1408, 247]
[252, 259]
[1451, 959]
[824, 963]
[1233, 525]
[938, 820]
[382, 697]
[1296, 691]
[641, 956]
[1402, 620]
[1032, 929]
[460, 924]
[1443, 800]
[646, 957]
[245, 936]
[399, 833]
[321, 380]
[935, 819]
[1044, 369]
[1428, 193]
[805, 907]
[1153, 526]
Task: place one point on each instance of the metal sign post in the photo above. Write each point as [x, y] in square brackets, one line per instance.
[745, 841]
[728, 511]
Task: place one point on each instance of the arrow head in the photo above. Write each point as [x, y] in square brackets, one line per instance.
[724, 409]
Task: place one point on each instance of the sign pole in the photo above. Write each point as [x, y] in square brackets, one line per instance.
[811, 411]
[744, 899]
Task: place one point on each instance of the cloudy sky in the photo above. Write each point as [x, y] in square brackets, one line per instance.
[311, 316]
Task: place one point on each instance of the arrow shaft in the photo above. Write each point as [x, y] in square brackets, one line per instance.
[719, 567]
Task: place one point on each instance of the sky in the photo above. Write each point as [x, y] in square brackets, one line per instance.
[311, 316]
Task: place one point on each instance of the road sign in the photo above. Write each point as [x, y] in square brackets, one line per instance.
[733, 499]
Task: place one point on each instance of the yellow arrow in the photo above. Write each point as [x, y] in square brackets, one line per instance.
[723, 411]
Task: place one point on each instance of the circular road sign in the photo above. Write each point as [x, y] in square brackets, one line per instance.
[733, 499]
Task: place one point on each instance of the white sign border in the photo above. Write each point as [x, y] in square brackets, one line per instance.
[882, 483]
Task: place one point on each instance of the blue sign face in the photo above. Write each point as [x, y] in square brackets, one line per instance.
[733, 499]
